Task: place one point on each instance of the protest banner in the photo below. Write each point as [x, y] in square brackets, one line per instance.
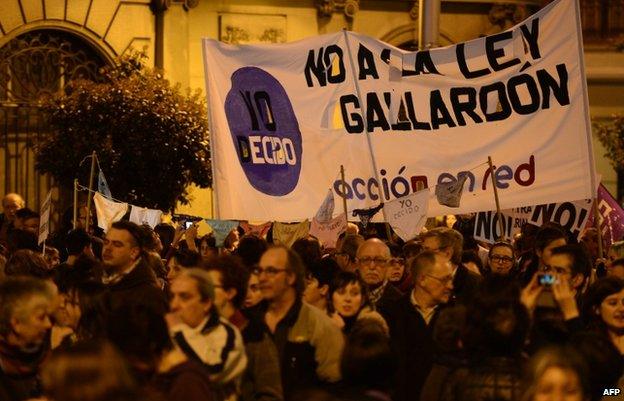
[572, 216]
[611, 217]
[283, 118]
[44, 219]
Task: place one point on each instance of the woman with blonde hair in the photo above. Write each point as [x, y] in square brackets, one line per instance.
[556, 374]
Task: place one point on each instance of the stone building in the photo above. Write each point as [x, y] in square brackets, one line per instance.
[46, 43]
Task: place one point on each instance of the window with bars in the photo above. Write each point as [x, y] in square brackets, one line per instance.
[603, 20]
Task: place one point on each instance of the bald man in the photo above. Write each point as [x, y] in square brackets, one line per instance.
[11, 203]
[373, 259]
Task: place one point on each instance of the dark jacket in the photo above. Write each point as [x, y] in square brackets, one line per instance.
[262, 380]
[494, 378]
[19, 371]
[465, 285]
[389, 297]
[187, 381]
[412, 342]
[444, 366]
[139, 287]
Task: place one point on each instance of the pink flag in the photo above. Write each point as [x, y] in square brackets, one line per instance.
[611, 217]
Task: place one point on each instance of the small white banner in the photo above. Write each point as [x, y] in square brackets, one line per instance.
[44, 220]
[408, 215]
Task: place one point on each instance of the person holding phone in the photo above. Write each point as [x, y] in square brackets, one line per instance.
[553, 295]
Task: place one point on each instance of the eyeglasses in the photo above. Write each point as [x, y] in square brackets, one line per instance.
[558, 270]
[501, 259]
[376, 260]
[442, 280]
[270, 271]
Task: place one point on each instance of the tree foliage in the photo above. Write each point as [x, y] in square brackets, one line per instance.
[150, 138]
[611, 135]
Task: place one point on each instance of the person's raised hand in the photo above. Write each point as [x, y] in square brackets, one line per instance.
[565, 298]
[530, 293]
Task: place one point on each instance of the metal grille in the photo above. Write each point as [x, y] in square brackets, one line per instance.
[602, 19]
[33, 65]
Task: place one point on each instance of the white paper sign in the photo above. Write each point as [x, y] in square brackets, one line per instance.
[44, 220]
[408, 215]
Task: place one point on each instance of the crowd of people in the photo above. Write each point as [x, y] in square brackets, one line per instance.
[141, 313]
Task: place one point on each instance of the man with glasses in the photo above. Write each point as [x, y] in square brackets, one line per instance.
[553, 294]
[308, 343]
[373, 260]
[447, 243]
[412, 320]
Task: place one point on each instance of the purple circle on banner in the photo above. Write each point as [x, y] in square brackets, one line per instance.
[265, 131]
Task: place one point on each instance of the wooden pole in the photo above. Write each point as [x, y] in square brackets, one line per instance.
[344, 193]
[91, 178]
[75, 222]
[498, 211]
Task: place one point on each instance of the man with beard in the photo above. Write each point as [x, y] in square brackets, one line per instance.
[126, 272]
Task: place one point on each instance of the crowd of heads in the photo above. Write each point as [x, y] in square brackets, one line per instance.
[542, 312]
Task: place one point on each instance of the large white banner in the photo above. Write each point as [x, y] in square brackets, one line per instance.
[283, 118]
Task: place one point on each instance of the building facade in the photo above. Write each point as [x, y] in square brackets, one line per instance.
[46, 43]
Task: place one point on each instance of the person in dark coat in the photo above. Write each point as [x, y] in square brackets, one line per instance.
[142, 336]
[411, 320]
[11, 203]
[262, 378]
[126, 273]
[448, 243]
[497, 326]
[25, 304]
[373, 260]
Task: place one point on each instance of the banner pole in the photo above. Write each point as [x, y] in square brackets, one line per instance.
[75, 222]
[344, 192]
[498, 210]
[588, 128]
[91, 177]
[216, 212]
[368, 138]
[597, 224]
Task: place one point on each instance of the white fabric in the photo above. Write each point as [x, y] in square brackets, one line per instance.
[280, 113]
[141, 215]
[44, 220]
[328, 232]
[407, 215]
[210, 346]
[108, 211]
[326, 211]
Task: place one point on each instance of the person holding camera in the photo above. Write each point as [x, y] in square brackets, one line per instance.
[553, 295]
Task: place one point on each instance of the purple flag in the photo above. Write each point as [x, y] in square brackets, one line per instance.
[611, 217]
